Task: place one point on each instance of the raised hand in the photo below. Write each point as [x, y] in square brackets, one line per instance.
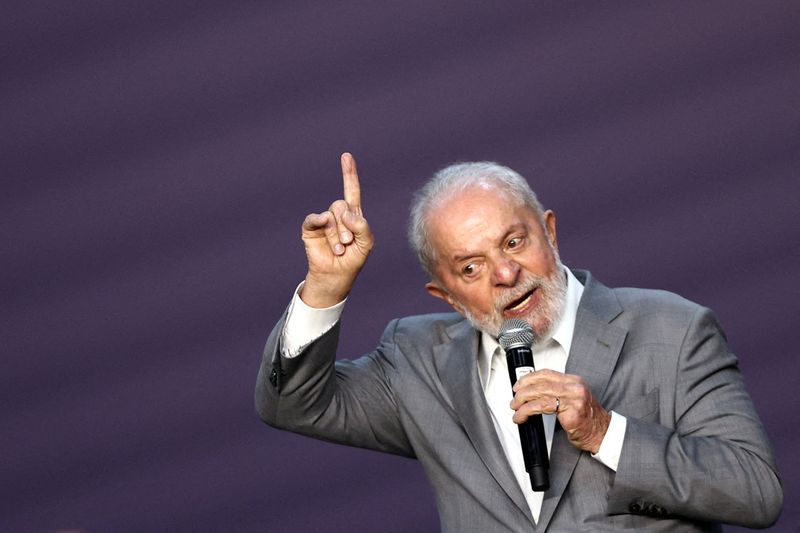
[337, 243]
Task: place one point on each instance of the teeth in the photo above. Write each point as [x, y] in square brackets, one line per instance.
[521, 304]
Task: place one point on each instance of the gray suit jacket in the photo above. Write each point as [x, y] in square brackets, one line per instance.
[695, 453]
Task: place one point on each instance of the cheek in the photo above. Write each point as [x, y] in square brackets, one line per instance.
[479, 302]
[541, 263]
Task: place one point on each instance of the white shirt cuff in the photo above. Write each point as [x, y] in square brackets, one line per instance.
[306, 324]
[611, 447]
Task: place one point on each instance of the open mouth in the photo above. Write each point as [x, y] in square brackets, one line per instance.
[520, 303]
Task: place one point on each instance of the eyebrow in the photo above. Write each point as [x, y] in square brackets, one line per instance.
[511, 229]
[459, 258]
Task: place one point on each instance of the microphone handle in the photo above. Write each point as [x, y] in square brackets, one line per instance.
[531, 433]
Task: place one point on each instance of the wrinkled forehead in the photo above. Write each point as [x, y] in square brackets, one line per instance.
[469, 217]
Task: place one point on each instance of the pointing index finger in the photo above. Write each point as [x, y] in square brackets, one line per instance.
[352, 189]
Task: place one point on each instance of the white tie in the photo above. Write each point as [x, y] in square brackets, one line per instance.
[498, 396]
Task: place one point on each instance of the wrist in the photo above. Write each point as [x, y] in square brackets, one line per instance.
[318, 294]
[603, 421]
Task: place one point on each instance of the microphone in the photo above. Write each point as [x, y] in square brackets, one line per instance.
[516, 338]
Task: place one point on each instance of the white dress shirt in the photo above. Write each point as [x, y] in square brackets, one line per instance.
[551, 354]
[305, 324]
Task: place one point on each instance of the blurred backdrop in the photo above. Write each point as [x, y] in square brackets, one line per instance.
[158, 158]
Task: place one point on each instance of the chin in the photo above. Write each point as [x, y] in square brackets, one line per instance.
[543, 329]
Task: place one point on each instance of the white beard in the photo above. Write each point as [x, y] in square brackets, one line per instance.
[543, 319]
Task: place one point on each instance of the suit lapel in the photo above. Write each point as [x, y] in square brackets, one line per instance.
[596, 345]
[455, 362]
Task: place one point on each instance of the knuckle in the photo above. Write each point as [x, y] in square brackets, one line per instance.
[576, 389]
[586, 395]
[312, 220]
[338, 207]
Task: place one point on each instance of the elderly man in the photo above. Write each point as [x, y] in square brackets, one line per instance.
[647, 422]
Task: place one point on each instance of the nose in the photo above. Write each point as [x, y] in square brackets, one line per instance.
[505, 273]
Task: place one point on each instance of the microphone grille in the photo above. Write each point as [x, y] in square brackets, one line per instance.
[515, 332]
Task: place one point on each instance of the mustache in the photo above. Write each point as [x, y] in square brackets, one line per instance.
[524, 287]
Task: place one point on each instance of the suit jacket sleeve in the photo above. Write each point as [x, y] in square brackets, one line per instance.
[347, 402]
[715, 463]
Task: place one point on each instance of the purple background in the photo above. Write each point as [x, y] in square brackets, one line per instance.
[158, 158]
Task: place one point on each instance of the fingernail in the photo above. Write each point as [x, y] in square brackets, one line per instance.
[338, 249]
[345, 236]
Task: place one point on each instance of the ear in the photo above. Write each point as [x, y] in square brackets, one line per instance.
[437, 292]
[550, 228]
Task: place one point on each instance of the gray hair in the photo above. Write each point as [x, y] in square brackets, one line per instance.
[455, 179]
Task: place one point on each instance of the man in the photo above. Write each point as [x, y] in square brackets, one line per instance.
[648, 424]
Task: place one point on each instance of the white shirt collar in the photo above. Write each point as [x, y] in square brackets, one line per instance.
[566, 326]
[562, 334]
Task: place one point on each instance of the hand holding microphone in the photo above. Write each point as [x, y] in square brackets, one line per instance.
[568, 396]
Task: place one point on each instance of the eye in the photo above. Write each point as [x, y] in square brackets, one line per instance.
[471, 269]
[514, 242]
